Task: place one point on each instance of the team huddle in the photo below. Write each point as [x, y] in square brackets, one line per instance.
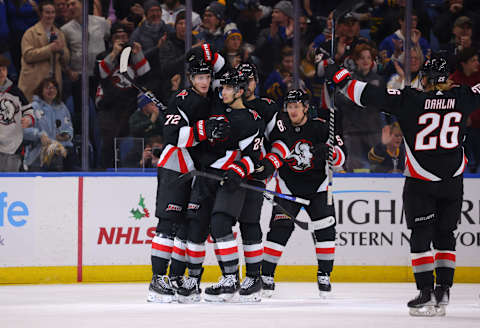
[220, 128]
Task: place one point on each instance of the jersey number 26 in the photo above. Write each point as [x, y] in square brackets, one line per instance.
[448, 136]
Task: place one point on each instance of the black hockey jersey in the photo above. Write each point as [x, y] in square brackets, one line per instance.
[182, 152]
[244, 142]
[302, 174]
[433, 124]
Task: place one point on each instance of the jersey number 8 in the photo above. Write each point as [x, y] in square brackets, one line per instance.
[448, 133]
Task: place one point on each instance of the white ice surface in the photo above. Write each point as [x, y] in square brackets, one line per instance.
[294, 305]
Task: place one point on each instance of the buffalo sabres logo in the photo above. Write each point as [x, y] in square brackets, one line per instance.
[119, 81]
[8, 109]
[300, 158]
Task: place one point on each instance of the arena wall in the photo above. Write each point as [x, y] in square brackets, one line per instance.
[65, 228]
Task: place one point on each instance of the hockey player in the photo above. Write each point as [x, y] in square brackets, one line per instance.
[433, 123]
[300, 144]
[186, 125]
[217, 205]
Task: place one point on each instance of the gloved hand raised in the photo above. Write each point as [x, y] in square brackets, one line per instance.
[206, 52]
[339, 76]
[211, 129]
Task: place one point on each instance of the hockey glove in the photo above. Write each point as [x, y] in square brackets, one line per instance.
[233, 176]
[268, 165]
[211, 129]
[339, 76]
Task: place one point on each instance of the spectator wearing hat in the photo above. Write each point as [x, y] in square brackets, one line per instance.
[468, 73]
[146, 122]
[271, 40]
[233, 43]
[5, 38]
[211, 30]
[152, 33]
[44, 51]
[170, 10]
[392, 45]
[116, 97]
[15, 114]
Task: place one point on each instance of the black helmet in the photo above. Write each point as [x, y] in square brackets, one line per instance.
[235, 78]
[199, 67]
[436, 69]
[249, 70]
[294, 96]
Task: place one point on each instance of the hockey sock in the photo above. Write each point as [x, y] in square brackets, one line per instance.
[162, 246]
[325, 244]
[179, 259]
[445, 267]
[271, 255]
[195, 255]
[422, 266]
[226, 251]
[253, 251]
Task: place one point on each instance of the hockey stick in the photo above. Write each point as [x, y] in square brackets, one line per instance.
[189, 175]
[124, 57]
[301, 224]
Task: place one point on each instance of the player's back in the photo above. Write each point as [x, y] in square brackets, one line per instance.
[433, 124]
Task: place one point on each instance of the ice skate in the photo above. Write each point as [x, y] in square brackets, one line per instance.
[190, 292]
[324, 285]
[442, 297]
[160, 290]
[224, 290]
[251, 289]
[423, 305]
[268, 286]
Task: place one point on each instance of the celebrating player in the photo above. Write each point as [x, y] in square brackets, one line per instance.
[433, 124]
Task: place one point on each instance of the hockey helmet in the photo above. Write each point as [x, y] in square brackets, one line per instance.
[294, 96]
[436, 69]
[235, 78]
[199, 67]
[249, 70]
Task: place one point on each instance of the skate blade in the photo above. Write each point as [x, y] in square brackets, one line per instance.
[324, 294]
[267, 293]
[440, 311]
[424, 311]
[189, 299]
[252, 298]
[222, 298]
[158, 298]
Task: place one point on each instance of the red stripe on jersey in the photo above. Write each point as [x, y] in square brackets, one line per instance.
[253, 253]
[422, 261]
[194, 253]
[190, 138]
[105, 67]
[329, 250]
[351, 90]
[414, 173]
[162, 248]
[279, 147]
[167, 156]
[445, 256]
[181, 162]
[32, 118]
[226, 251]
[140, 63]
[230, 160]
[179, 251]
[271, 251]
[338, 156]
[245, 162]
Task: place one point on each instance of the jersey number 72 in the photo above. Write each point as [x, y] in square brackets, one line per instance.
[448, 136]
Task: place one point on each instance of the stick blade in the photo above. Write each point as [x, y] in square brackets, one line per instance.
[124, 56]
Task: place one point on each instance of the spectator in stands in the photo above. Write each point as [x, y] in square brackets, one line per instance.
[233, 44]
[22, 15]
[248, 15]
[393, 44]
[326, 35]
[5, 40]
[273, 39]
[152, 33]
[146, 121]
[361, 128]
[15, 114]
[389, 155]
[170, 10]
[152, 152]
[44, 51]
[468, 73]
[52, 123]
[116, 98]
[397, 81]
[211, 30]
[61, 15]
[127, 12]
[99, 33]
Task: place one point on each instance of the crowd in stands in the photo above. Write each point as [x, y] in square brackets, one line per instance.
[41, 53]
